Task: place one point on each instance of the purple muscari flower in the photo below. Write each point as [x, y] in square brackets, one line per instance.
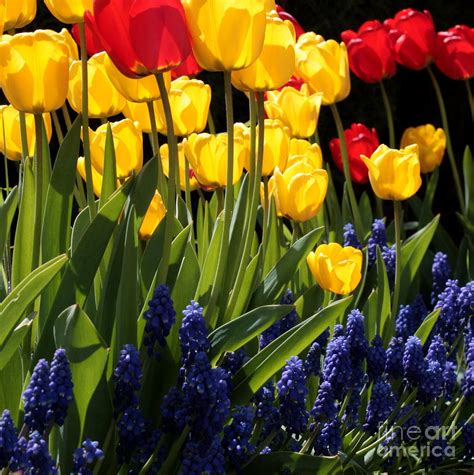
[466, 303]
[8, 438]
[265, 409]
[60, 385]
[358, 379]
[381, 404]
[410, 317]
[411, 421]
[193, 333]
[38, 398]
[355, 336]
[266, 451]
[441, 272]
[173, 411]
[39, 456]
[325, 405]
[431, 385]
[312, 363]
[389, 255]
[322, 340]
[236, 440]
[337, 366]
[376, 358]
[350, 236]
[437, 351]
[159, 317]
[20, 461]
[414, 367]
[127, 376]
[448, 324]
[131, 427]
[283, 325]
[149, 439]
[203, 457]
[234, 360]
[328, 441]
[467, 385]
[394, 362]
[294, 445]
[338, 330]
[85, 456]
[292, 392]
[450, 378]
[433, 437]
[378, 237]
[468, 438]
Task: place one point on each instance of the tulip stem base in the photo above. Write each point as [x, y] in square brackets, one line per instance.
[38, 171]
[155, 145]
[449, 148]
[397, 209]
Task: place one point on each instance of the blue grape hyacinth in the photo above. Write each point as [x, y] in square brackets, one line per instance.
[20, 461]
[203, 457]
[449, 321]
[324, 407]
[394, 361]
[410, 317]
[61, 387]
[312, 363]
[389, 256]
[376, 358]
[85, 456]
[414, 367]
[355, 336]
[329, 441]
[378, 237]
[441, 272]
[193, 333]
[38, 455]
[8, 438]
[337, 366]
[350, 236]
[381, 404]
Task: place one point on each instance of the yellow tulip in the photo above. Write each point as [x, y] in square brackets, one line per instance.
[69, 11]
[336, 268]
[138, 112]
[243, 132]
[104, 99]
[270, 5]
[19, 13]
[324, 66]
[394, 174]
[164, 153]
[226, 35]
[189, 100]
[135, 90]
[34, 71]
[10, 137]
[276, 63]
[67, 38]
[2, 15]
[96, 176]
[300, 191]
[128, 145]
[207, 155]
[154, 215]
[298, 110]
[303, 151]
[431, 145]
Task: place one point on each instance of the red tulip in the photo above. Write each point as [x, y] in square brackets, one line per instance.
[93, 43]
[189, 67]
[294, 82]
[413, 37]
[360, 140]
[286, 16]
[142, 37]
[371, 57]
[455, 52]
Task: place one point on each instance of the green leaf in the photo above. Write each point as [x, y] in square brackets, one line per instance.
[309, 301]
[7, 212]
[109, 175]
[259, 369]
[11, 385]
[272, 254]
[427, 325]
[248, 284]
[468, 172]
[178, 248]
[25, 293]
[81, 223]
[365, 213]
[383, 297]
[277, 279]
[238, 332]
[15, 340]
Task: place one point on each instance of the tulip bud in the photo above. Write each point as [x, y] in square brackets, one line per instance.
[297, 109]
[154, 215]
[207, 155]
[104, 99]
[19, 13]
[128, 144]
[431, 145]
[10, 136]
[69, 11]
[336, 269]
[306, 152]
[324, 66]
[96, 176]
[40, 84]
[165, 161]
[276, 63]
[394, 174]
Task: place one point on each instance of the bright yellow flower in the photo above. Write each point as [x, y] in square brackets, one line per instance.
[67, 38]
[164, 152]
[189, 100]
[431, 145]
[207, 155]
[276, 63]
[34, 71]
[138, 112]
[2, 15]
[10, 131]
[128, 144]
[324, 66]
[394, 174]
[243, 132]
[154, 215]
[19, 13]
[336, 268]
[96, 176]
[303, 151]
[135, 90]
[104, 99]
[298, 110]
[300, 191]
[270, 5]
[68, 11]
[226, 35]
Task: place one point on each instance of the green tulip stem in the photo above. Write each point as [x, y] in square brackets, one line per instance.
[470, 97]
[266, 216]
[389, 114]
[38, 171]
[155, 145]
[85, 122]
[67, 117]
[23, 136]
[173, 162]
[397, 209]
[57, 127]
[347, 173]
[449, 148]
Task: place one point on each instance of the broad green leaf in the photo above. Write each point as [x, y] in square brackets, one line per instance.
[426, 210]
[308, 303]
[277, 279]
[238, 332]
[81, 223]
[272, 254]
[7, 212]
[248, 284]
[15, 340]
[468, 172]
[11, 385]
[427, 325]
[365, 213]
[204, 231]
[383, 298]
[370, 313]
[109, 175]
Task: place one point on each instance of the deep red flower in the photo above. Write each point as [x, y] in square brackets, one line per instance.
[413, 37]
[455, 52]
[189, 67]
[360, 140]
[294, 82]
[93, 43]
[371, 56]
[142, 36]
[286, 16]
